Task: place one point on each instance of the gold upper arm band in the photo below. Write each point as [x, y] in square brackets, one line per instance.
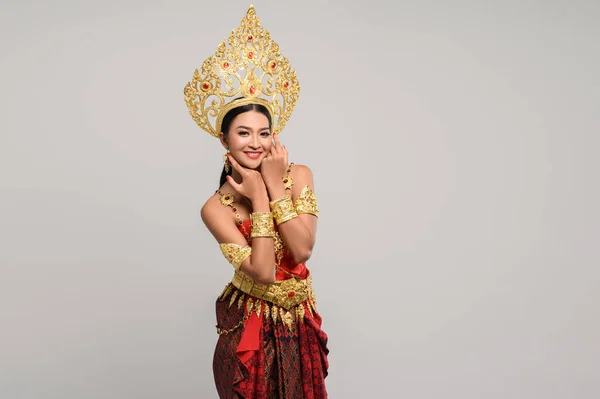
[235, 253]
[307, 202]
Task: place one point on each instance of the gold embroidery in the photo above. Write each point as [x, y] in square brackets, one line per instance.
[257, 307]
[240, 301]
[235, 253]
[274, 312]
[300, 313]
[287, 318]
[249, 305]
[235, 294]
[267, 311]
[306, 202]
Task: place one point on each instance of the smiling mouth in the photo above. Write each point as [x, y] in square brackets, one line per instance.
[253, 154]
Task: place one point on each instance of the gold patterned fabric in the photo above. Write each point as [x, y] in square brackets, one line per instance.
[306, 202]
[290, 356]
[235, 253]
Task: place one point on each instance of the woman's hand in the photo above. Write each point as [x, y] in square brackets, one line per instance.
[252, 185]
[274, 165]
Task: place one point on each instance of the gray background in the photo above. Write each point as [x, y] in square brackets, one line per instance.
[454, 151]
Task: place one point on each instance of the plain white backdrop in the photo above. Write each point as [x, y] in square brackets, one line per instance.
[454, 148]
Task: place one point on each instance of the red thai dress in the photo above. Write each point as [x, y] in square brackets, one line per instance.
[268, 349]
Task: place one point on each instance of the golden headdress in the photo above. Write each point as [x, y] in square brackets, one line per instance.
[268, 79]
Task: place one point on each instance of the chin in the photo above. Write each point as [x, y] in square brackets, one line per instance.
[251, 164]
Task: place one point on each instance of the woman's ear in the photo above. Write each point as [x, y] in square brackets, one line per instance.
[223, 141]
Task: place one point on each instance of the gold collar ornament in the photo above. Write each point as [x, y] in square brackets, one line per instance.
[248, 68]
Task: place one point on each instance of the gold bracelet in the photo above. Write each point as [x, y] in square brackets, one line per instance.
[262, 225]
[283, 209]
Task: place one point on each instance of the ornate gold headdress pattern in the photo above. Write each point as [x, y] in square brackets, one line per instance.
[268, 79]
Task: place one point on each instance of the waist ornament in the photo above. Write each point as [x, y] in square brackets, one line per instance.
[284, 293]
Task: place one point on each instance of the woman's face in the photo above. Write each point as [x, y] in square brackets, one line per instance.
[249, 139]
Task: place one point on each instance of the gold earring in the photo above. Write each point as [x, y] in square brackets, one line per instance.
[226, 162]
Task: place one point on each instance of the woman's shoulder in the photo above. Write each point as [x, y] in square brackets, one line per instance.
[212, 209]
[301, 171]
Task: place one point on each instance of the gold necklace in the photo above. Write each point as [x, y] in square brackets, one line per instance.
[228, 200]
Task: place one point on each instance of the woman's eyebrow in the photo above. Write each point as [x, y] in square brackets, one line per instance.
[247, 128]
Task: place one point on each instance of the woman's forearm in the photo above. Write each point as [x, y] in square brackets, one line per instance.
[295, 233]
[262, 260]
[298, 239]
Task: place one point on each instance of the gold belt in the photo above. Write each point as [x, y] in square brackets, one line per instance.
[285, 293]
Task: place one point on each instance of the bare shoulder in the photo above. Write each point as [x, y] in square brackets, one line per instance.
[220, 222]
[212, 211]
[301, 172]
[302, 176]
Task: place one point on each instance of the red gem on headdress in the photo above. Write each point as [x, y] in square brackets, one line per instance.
[205, 85]
[230, 256]
[226, 65]
[252, 90]
[250, 54]
[273, 65]
[291, 294]
[250, 37]
[285, 180]
[227, 197]
[286, 84]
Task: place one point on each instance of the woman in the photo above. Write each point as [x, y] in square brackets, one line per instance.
[264, 217]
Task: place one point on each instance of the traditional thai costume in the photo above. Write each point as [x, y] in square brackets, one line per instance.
[270, 340]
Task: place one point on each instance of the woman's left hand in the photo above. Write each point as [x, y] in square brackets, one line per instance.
[274, 165]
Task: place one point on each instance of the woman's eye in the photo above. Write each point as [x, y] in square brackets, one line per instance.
[243, 133]
[265, 134]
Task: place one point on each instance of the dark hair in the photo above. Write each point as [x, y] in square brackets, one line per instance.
[226, 124]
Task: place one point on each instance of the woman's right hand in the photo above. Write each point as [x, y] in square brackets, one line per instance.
[252, 185]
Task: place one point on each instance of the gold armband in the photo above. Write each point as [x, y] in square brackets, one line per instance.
[235, 253]
[262, 225]
[307, 202]
[283, 209]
